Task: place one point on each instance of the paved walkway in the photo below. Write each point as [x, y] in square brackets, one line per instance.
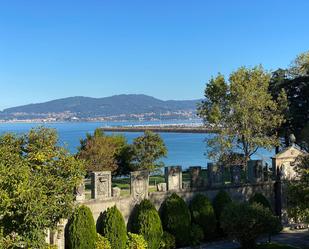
[297, 238]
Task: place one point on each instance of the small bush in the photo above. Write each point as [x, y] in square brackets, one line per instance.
[197, 235]
[245, 222]
[202, 214]
[81, 230]
[168, 241]
[136, 241]
[113, 228]
[102, 243]
[176, 219]
[261, 199]
[221, 200]
[147, 222]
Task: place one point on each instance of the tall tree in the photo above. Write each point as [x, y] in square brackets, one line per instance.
[37, 179]
[102, 152]
[147, 150]
[295, 82]
[242, 111]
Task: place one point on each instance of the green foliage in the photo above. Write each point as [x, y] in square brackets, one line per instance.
[243, 112]
[102, 152]
[298, 192]
[102, 243]
[147, 150]
[176, 219]
[295, 82]
[113, 228]
[35, 176]
[221, 200]
[81, 229]
[245, 222]
[197, 234]
[168, 241]
[147, 222]
[136, 241]
[261, 199]
[202, 214]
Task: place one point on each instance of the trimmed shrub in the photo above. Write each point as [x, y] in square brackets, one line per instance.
[197, 235]
[176, 219]
[261, 199]
[136, 241]
[221, 200]
[168, 241]
[113, 228]
[245, 222]
[147, 222]
[102, 243]
[81, 230]
[203, 214]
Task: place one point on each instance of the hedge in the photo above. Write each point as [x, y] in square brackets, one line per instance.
[203, 214]
[81, 230]
[176, 219]
[261, 199]
[136, 241]
[113, 228]
[168, 241]
[146, 221]
[102, 243]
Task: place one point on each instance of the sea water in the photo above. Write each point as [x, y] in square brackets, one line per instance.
[185, 149]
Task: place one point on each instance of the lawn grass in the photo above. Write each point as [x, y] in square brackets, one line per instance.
[275, 246]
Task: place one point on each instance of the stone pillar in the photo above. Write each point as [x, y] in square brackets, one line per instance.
[139, 185]
[236, 174]
[173, 177]
[255, 171]
[101, 184]
[215, 174]
[80, 192]
[196, 180]
[60, 234]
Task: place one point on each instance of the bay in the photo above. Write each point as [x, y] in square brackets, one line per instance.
[184, 149]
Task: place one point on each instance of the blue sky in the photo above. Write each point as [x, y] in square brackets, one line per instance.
[165, 48]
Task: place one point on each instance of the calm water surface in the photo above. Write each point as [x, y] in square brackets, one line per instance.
[183, 148]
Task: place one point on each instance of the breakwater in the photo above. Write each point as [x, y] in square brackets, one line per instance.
[164, 128]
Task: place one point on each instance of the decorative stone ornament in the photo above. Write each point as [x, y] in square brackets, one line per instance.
[101, 183]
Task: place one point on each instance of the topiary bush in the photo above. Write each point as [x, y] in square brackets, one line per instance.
[168, 241]
[81, 229]
[197, 235]
[203, 214]
[245, 222]
[102, 243]
[113, 228]
[261, 199]
[221, 200]
[176, 219]
[147, 222]
[136, 241]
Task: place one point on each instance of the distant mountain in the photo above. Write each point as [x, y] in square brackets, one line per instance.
[86, 107]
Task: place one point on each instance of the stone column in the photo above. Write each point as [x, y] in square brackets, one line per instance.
[173, 177]
[215, 174]
[101, 184]
[196, 180]
[80, 192]
[139, 185]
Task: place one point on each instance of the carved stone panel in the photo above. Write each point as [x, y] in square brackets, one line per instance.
[255, 171]
[236, 174]
[196, 180]
[215, 174]
[139, 185]
[173, 177]
[101, 183]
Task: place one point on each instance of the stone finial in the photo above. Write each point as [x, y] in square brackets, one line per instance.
[292, 139]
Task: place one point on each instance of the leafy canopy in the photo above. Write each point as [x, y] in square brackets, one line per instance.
[102, 152]
[242, 111]
[147, 150]
[37, 179]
